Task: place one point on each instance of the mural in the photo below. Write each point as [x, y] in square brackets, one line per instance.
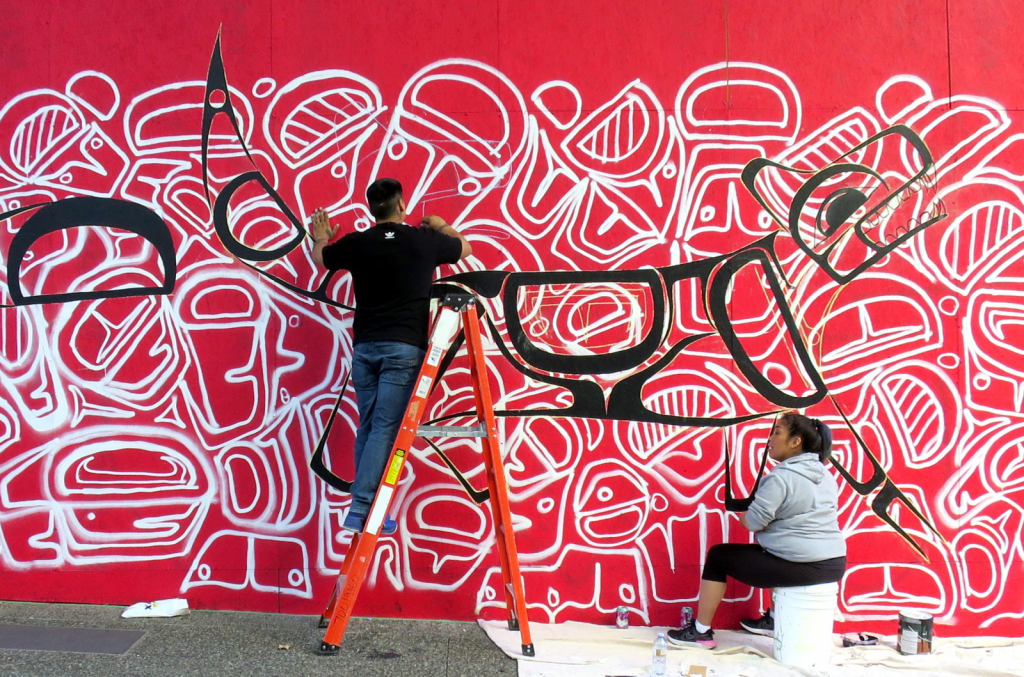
[660, 279]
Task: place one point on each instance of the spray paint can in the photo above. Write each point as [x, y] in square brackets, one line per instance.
[685, 616]
[622, 617]
[915, 632]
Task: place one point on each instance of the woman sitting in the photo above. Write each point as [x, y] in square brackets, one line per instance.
[794, 517]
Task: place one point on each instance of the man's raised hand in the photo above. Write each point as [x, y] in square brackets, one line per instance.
[435, 222]
[320, 226]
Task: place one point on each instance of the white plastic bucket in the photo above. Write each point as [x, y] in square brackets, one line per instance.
[803, 624]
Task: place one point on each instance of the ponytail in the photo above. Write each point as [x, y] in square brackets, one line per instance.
[825, 450]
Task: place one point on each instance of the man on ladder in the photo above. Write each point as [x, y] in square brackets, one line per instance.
[392, 266]
[406, 405]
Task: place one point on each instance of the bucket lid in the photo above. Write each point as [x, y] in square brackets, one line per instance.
[914, 615]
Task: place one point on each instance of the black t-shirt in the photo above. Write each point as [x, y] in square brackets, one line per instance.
[392, 268]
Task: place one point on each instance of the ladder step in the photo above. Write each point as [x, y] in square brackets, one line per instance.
[452, 430]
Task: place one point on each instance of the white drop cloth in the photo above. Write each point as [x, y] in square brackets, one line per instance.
[584, 650]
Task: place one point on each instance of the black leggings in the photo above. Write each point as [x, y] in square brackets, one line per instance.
[753, 565]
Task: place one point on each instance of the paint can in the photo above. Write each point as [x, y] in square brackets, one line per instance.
[622, 617]
[685, 616]
[915, 632]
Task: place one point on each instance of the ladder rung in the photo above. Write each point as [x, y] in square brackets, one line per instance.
[452, 430]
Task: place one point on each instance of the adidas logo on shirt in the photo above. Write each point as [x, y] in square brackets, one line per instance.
[390, 235]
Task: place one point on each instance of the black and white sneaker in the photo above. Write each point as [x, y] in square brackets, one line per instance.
[765, 625]
[689, 636]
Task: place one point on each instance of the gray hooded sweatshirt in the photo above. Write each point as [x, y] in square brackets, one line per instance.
[795, 511]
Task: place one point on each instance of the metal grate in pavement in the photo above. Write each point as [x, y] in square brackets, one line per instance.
[56, 638]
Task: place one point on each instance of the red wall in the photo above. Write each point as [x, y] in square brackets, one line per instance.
[156, 428]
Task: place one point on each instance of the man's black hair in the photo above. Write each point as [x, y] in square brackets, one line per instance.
[382, 197]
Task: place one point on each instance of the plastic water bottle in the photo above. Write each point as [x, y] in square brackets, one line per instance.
[659, 656]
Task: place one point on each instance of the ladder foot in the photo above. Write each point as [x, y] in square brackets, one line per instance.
[332, 650]
[528, 650]
[513, 624]
[324, 622]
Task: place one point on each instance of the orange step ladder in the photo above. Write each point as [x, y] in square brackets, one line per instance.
[454, 308]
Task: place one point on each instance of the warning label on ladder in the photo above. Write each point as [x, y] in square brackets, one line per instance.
[423, 389]
[396, 466]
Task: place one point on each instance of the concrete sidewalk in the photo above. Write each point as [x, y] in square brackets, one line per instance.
[215, 643]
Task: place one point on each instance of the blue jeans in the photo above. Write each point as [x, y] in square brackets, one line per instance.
[383, 374]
